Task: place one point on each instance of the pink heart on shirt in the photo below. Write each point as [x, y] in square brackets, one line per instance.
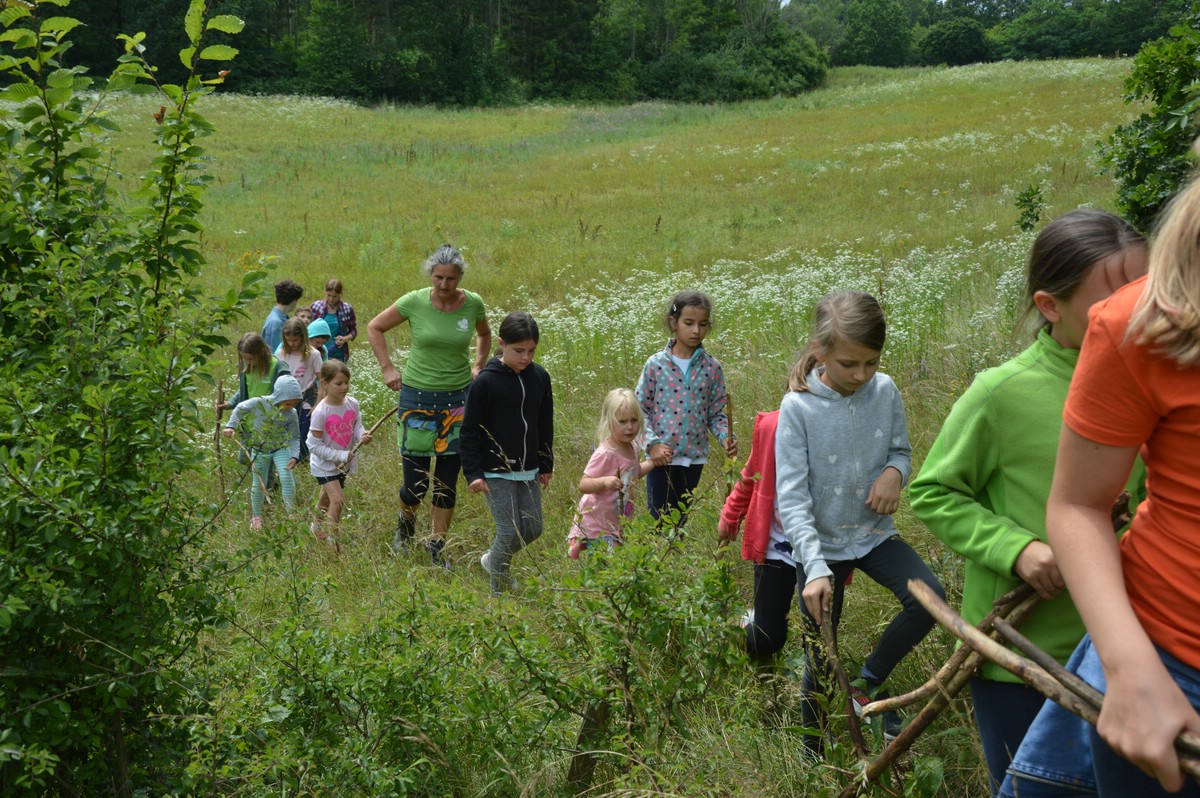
[341, 428]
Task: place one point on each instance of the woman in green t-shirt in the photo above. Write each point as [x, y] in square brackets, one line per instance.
[433, 387]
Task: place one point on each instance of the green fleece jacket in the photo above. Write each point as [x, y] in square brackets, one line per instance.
[983, 487]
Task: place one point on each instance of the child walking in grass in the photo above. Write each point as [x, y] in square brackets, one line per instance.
[336, 428]
[984, 485]
[682, 394]
[841, 459]
[610, 475]
[507, 440]
[304, 361]
[258, 370]
[273, 439]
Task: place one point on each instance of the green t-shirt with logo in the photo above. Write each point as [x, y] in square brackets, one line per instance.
[439, 359]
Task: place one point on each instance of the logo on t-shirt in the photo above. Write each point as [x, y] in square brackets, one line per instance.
[462, 325]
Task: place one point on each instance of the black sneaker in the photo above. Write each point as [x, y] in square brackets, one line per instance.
[434, 547]
[406, 528]
[891, 721]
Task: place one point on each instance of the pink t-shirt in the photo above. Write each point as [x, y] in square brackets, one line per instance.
[341, 427]
[600, 514]
[1124, 394]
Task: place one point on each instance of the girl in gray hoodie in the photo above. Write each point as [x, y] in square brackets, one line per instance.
[842, 457]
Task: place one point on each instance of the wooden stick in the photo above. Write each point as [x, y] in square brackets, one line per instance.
[835, 663]
[1186, 744]
[217, 435]
[940, 700]
[1002, 606]
[370, 432]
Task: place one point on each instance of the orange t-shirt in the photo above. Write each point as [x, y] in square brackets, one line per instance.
[1123, 394]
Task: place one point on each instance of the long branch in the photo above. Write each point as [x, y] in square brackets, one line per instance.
[1187, 745]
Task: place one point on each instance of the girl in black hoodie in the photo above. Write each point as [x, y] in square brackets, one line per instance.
[506, 443]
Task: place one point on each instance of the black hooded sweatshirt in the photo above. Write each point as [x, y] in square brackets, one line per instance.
[508, 424]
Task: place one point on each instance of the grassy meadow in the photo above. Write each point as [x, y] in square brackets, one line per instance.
[900, 182]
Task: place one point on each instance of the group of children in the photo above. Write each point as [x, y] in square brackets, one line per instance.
[823, 477]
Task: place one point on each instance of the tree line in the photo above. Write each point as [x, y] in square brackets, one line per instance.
[484, 52]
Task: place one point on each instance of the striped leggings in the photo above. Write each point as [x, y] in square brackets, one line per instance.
[287, 483]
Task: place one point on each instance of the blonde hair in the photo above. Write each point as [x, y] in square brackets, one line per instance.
[618, 399]
[295, 327]
[1167, 317]
[330, 369]
[853, 316]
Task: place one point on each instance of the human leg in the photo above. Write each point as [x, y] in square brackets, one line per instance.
[892, 563]
[1054, 759]
[1003, 713]
[504, 500]
[415, 471]
[261, 466]
[287, 480]
[669, 489]
[774, 586]
[814, 683]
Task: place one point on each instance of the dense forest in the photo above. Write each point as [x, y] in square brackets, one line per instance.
[486, 52]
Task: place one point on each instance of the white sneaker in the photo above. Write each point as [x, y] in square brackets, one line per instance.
[747, 619]
[486, 561]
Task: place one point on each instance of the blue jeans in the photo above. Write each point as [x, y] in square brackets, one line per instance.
[1055, 758]
[1003, 713]
[1118, 777]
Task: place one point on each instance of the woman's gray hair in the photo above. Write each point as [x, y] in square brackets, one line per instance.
[445, 254]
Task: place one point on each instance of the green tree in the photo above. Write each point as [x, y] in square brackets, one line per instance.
[877, 33]
[104, 583]
[1152, 155]
[955, 41]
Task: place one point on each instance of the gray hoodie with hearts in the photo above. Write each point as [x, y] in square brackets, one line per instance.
[829, 449]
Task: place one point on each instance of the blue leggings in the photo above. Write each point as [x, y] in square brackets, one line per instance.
[287, 483]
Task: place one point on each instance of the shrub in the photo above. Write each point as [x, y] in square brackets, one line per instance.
[1152, 155]
[104, 580]
[954, 42]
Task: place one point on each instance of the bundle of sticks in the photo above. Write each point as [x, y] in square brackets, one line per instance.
[987, 641]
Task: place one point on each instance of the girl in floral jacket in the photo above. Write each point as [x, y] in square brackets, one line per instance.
[682, 394]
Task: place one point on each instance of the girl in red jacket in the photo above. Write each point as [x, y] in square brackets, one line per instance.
[753, 500]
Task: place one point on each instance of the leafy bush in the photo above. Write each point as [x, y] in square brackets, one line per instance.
[954, 42]
[1152, 155]
[104, 580]
[877, 34]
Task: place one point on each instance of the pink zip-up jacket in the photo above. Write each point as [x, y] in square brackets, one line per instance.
[681, 408]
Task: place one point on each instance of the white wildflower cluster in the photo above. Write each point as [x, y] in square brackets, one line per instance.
[967, 293]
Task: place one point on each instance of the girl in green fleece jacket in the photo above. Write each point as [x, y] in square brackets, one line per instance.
[984, 485]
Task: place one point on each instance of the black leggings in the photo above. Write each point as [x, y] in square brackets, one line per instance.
[416, 480]
[891, 564]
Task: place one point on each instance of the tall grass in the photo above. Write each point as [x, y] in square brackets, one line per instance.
[900, 182]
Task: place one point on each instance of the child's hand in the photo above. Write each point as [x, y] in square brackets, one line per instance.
[291, 464]
[1037, 566]
[544, 479]
[818, 595]
[660, 454]
[349, 459]
[731, 446]
[479, 486]
[609, 484]
[884, 497]
[725, 533]
[227, 432]
[366, 438]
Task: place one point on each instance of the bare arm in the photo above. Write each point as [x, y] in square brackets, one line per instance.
[599, 484]
[483, 345]
[1144, 709]
[376, 328]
